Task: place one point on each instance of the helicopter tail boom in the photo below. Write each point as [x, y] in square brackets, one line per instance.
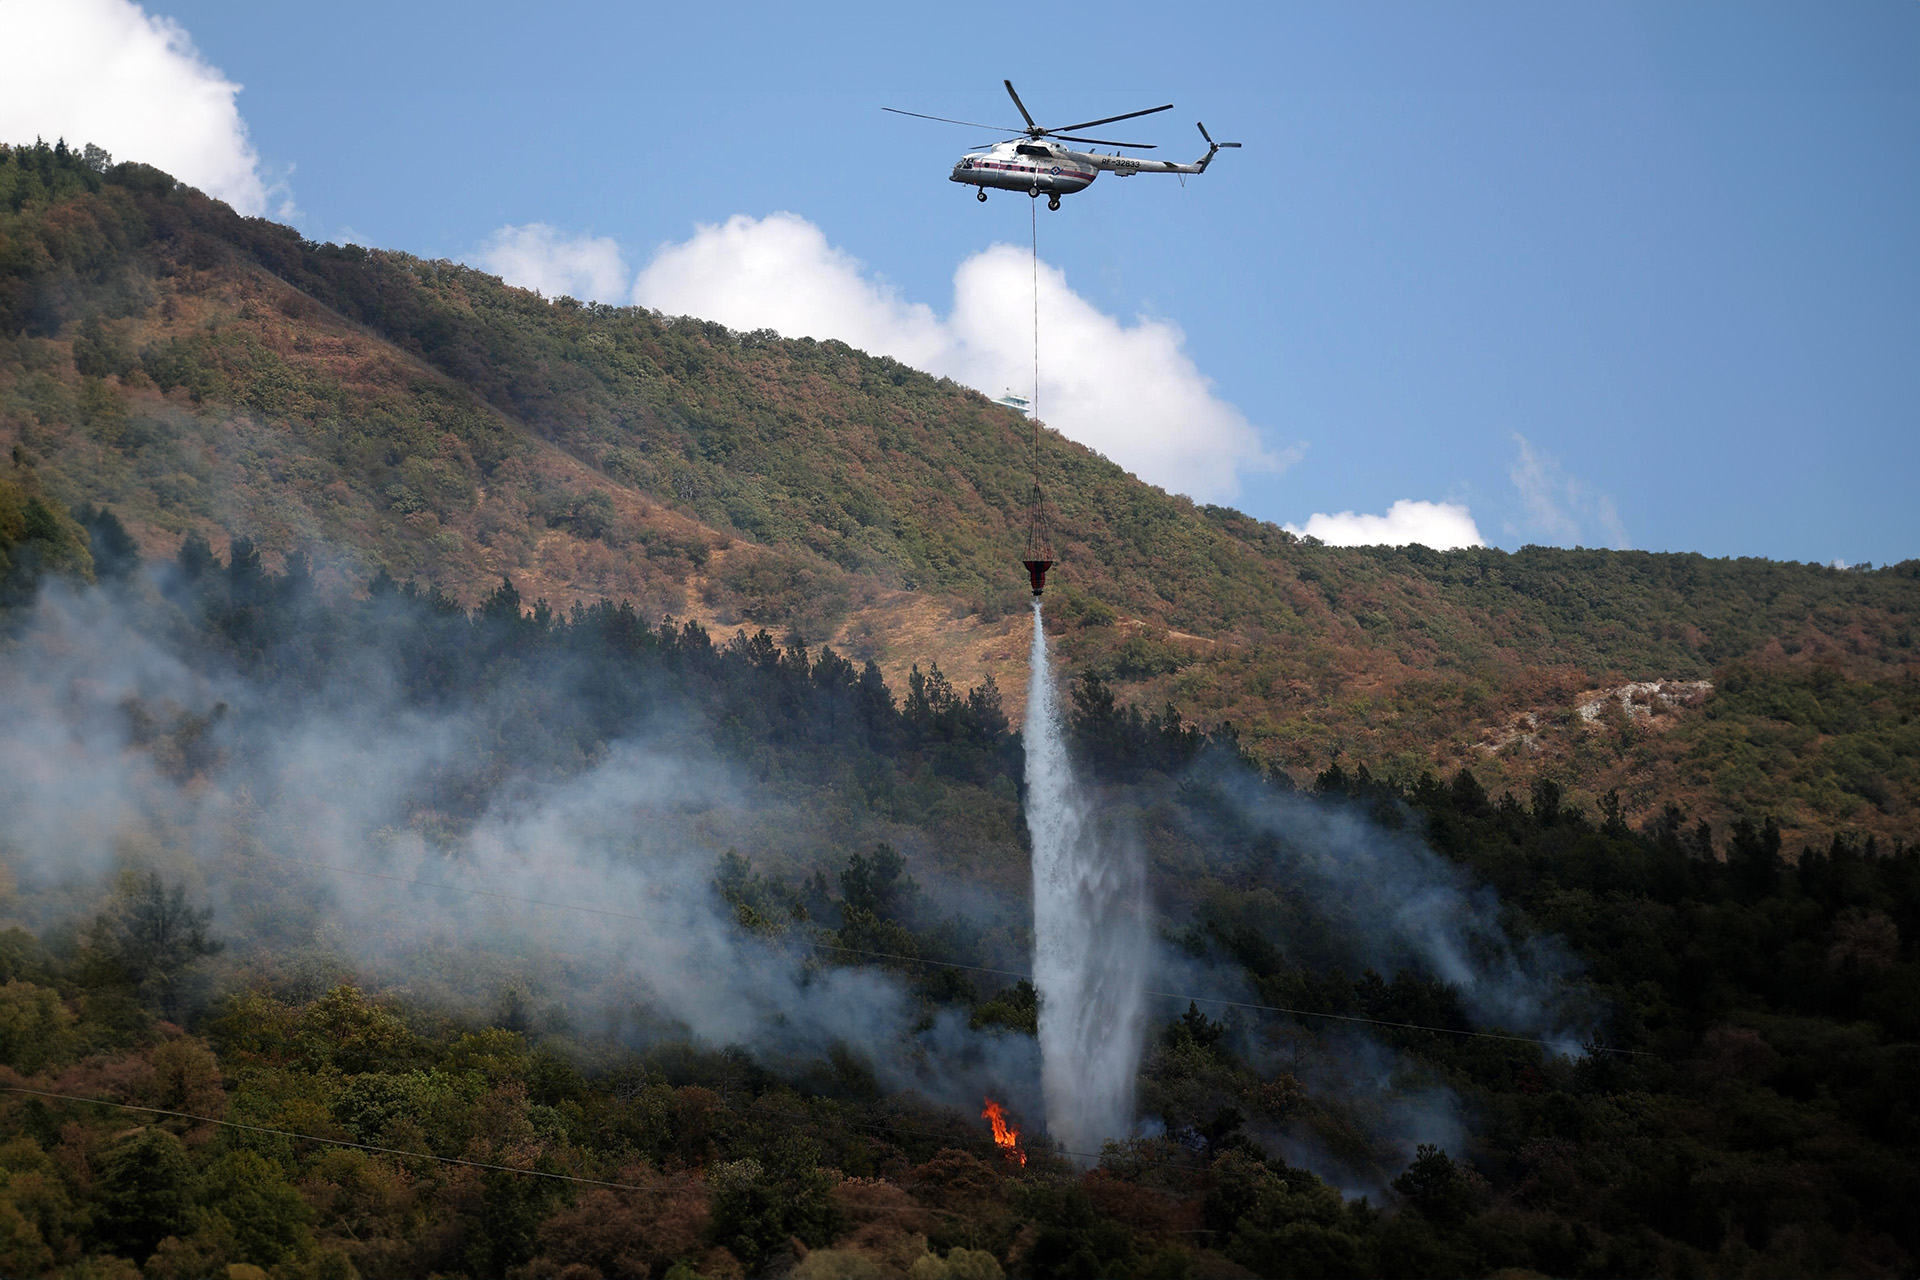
[1127, 166]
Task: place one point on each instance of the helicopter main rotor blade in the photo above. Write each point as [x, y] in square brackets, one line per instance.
[1107, 142]
[1023, 106]
[1088, 124]
[944, 120]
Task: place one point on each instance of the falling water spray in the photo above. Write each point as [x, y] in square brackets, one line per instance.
[1089, 936]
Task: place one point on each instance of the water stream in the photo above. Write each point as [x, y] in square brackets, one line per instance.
[1089, 935]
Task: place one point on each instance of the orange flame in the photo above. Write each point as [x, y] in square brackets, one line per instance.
[1004, 1134]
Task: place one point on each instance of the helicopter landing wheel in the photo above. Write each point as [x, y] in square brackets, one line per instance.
[1034, 194]
[1053, 202]
[981, 195]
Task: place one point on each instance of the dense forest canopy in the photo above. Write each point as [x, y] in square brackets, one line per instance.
[491, 788]
[278, 937]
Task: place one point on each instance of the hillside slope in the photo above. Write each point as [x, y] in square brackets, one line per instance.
[201, 372]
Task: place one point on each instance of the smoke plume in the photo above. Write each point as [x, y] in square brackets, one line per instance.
[310, 820]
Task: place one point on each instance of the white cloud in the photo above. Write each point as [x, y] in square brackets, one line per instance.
[1440, 525]
[538, 257]
[1557, 505]
[780, 273]
[1129, 391]
[106, 72]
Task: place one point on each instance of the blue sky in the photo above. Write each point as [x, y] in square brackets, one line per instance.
[1602, 273]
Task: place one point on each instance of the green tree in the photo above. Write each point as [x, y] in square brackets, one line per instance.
[757, 1206]
[1435, 1186]
[36, 539]
[115, 553]
[508, 1224]
[152, 935]
[141, 1196]
[34, 1027]
[1074, 1241]
[877, 883]
[269, 1220]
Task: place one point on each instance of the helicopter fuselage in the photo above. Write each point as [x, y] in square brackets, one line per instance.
[1027, 166]
[1042, 167]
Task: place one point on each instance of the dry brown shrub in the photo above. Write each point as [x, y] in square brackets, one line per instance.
[720, 1264]
[1731, 1052]
[842, 1264]
[1278, 1097]
[184, 1076]
[874, 1200]
[502, 1130]
[1148, 1214]
[969, 1198]
[1552, 1174]
[628, 1235]
[955, 1177]
[71, 1157]
[203, 1254]
[121, 1079]
[888, 1228]
[23, 1248]
[388, 1221]
[696, 1113]
[1866, 940]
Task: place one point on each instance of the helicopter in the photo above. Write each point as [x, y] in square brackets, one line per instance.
[1036, 163]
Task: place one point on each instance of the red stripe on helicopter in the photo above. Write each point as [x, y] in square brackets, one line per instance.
[1023, 168]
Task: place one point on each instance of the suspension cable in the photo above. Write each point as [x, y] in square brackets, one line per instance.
[1033, 211]
[1039, 543]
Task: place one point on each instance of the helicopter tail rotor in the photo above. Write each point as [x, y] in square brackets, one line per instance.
[1213, 148]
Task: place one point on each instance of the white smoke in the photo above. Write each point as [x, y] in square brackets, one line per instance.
[107, 72]
[1090, 937]
[1399, 905]
[1559, 508]
[597, 885]
[1392, 1098]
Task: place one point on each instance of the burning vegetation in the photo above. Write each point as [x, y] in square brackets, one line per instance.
[1005, 1136]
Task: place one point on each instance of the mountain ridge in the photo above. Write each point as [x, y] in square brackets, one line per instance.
[202, 372]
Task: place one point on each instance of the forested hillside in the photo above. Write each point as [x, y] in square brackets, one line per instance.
[200, 372]
[383, 937]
